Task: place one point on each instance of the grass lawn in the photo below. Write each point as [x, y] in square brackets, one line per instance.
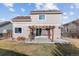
[26, 49]
[8, 48]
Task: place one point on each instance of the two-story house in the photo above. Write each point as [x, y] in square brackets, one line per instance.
[38, 23]
[71, 29]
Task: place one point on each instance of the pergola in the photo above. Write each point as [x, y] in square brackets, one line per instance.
[42, 27]
[49, 29]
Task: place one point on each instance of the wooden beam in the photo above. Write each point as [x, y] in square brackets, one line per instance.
[52, 27]
[49, 33]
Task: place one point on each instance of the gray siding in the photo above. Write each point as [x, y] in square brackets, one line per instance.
[6, 27]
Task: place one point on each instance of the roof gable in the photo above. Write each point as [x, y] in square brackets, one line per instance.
[4, 23]
[73, 22]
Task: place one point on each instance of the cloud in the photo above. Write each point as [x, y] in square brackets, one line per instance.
[29, 4]
[65, 17]
[2, 19]
[76, 5]
[72, 7]
[8, 4]
[71, 13]
[11, 9]
[51, 6]
[23, 10]
[39, 5]
[46, 6]
[18, 15]
[64, 13]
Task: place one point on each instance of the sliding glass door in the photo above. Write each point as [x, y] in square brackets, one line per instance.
[38, 31]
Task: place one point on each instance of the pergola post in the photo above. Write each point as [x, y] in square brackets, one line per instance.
[31, 35]
[51, 34]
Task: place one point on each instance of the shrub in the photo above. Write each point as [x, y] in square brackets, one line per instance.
[21, 38]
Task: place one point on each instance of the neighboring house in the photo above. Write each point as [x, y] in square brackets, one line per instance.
[5, 28]
[71, 29]
[39, 23]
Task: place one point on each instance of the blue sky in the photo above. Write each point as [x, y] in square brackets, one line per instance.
[8, 11]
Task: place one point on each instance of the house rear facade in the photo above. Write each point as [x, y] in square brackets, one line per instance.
[38, 23]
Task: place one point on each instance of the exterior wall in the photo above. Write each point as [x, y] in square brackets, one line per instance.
[57, 33]
[44, 33]
[6, 27]
[70, 29]
[25, 29]
[50, 20]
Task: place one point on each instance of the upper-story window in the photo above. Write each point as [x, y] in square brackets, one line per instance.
[18, 30]
[41, 17]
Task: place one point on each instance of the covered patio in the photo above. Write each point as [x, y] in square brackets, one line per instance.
[42, 33]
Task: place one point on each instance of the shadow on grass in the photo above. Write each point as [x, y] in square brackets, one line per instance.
[65, 50]
[5, 52]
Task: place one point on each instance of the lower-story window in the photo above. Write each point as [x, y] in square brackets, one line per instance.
[18, 30]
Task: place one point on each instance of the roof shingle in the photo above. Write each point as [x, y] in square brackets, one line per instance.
[46, 12]
[22, 19]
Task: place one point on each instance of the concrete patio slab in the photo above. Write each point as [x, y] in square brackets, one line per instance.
[44, 39]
